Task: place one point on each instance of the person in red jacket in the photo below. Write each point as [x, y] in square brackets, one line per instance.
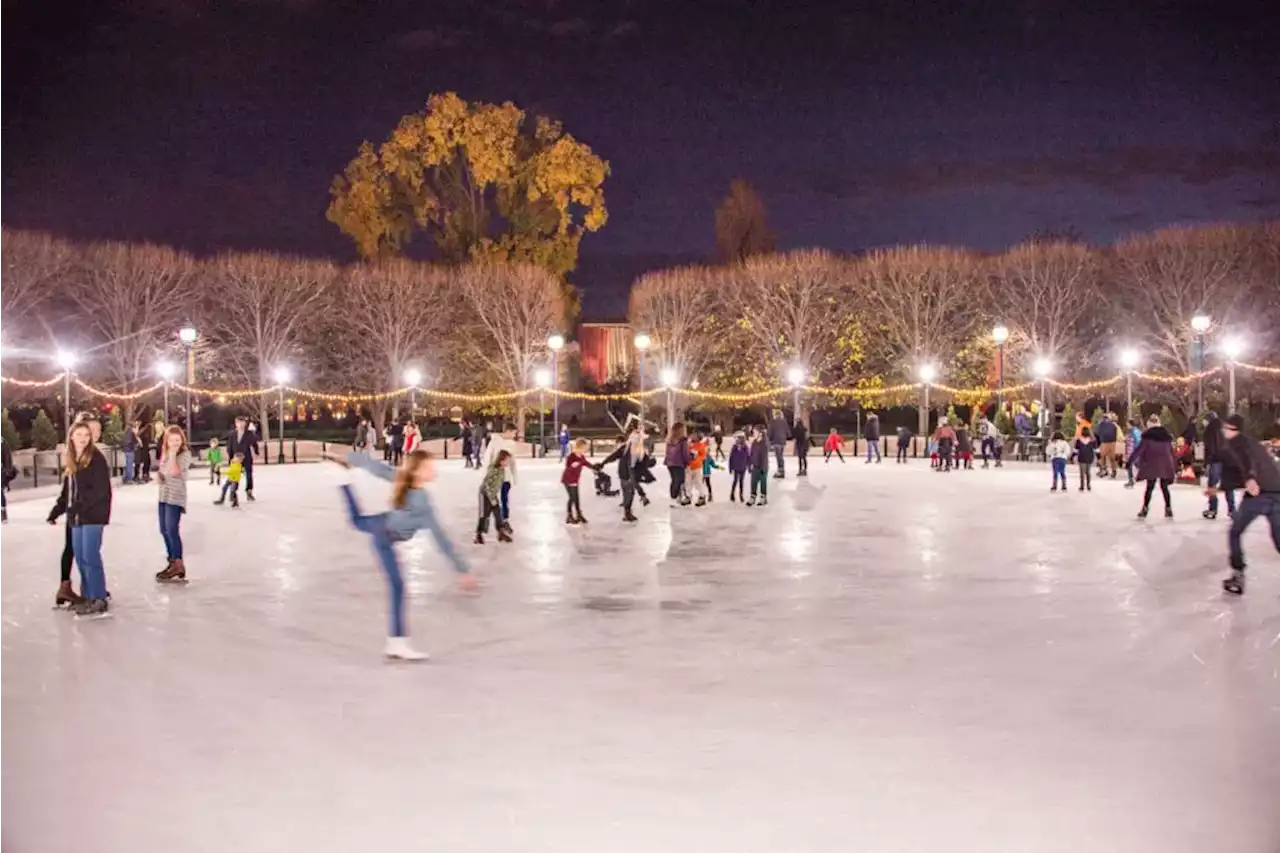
[573, 465]
[832, 445]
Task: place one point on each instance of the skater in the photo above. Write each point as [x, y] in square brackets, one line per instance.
[801, 434]
[243, 442]
[411, 511]
[1248, 465]
[573, 465]
[491, 497]
[622, 454]
[410, 437]
[235, 470]
[171, 474]
[904, 444]
[964, 447]
[479, 437]
[66, 595]
[677, 462]
[708, 463]
[214, 458]
[88, 508]
[564, 441]
[498, 443]
[8, 474]
[1154, 461]
[642, 463]
[698, 450]
[718, 435]
[759, 463]
[1108, 435]
[1132, 438]
[129, 446]
[998, 444]
[1084, 459]
[945, 435]
[986, 438]
[779, 435]
[360, 443]
[395, 440]
[832, 445]
[739, 462]
[871, 432]
[1214, 432]
[464, 433]
[142, 461]
[1058, 452]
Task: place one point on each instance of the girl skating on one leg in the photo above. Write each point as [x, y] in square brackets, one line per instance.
[1154, 461]
[171, 474]
[411, 511]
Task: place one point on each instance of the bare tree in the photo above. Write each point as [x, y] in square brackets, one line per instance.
[1042, 291]
[258, 307]
[1167, 277]
[676, 308]
[511, 310]
[742, 227]
[34, 265]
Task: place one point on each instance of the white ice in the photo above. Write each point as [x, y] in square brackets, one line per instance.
[902, 661]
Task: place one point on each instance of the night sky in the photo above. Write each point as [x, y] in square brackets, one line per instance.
[212, 124]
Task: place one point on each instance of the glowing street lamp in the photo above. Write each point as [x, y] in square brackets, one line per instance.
[1043, 367]
[413, 378]
[166, 370]
[1199, 324]
[555, 343]
[67, 361]
[187, 334]
[543, 378]
[642, 343]
[1232, 348]
[927, 373]
[669, 378]
[281, 375]
[1000, 334]
[795, 378]
[1129, 359]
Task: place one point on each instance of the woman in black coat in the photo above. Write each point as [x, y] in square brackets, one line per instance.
[1155, 464]
[88, 512]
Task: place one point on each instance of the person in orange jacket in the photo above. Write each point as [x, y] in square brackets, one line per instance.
[832, 445]
[698, 451]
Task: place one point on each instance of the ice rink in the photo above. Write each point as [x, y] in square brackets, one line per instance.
[883, 659]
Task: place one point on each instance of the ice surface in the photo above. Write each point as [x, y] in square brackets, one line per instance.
[893, 660]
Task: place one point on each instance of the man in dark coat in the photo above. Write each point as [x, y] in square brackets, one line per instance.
[801, 435]
[244, 441]
[1214, 451]
[1248, 465]
[871, 432]
[1108, 437]
[779, 435]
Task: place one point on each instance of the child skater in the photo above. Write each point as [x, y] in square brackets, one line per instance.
[411, 511]
[214, 458]
[175, 461]
[491, 498]
[739, 462]
[573, 465]
[708, 462]
[832, 445]
[697, 455]
[760, 469]
[1058, 452]
[1084, 459]
[232, 486]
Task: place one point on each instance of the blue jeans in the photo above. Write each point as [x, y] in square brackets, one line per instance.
[1214, 478]
[1059, 471]
[128, 466]
[384, 547]
[171, 529]
[86, 542]
[873, 447]
[1265, 505]
[506, 501]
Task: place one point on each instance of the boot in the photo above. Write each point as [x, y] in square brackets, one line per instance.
[503, 535]
[764, 501]
[568, 519]
[644, 501]
[219, 501]
[91, 608]
[177, 571]
[66, 596]
[1168, 512]
[1210, 514]
[629, 517]
[1142, 513]
[751, 502]
[398, 648]
[1235, 583]
[479, 540]
[581, 519]
[249, 495]
[701, 502]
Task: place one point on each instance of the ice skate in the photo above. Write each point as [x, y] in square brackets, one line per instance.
[398, 648]
[504, 536]
[701, 502]
[568, 519]
[1235, 583]
[629, 517]
[1210, 514]
[219, 501]
[1168, 512]
[1142, 513]
[65, 597]
[175, 573]
[479, 540]
[582, 519]
[644, 501]
[249, 495]
[764, 502]
[751, 502]
[92, 608]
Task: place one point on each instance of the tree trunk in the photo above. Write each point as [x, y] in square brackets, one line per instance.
[520, 413]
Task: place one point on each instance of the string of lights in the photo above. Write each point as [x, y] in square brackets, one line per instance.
[223, 395]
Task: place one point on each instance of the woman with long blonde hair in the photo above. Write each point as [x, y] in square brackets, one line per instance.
[88, 507]
[411, 511]
[171, 474]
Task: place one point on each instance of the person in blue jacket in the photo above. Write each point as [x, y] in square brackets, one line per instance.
[564, 441]
[411, 511]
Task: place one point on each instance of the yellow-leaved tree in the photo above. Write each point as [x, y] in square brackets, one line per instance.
[484, 181]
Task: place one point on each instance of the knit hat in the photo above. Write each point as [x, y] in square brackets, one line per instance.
[1236, 420]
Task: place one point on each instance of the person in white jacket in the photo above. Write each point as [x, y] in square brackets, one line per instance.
[498, 443]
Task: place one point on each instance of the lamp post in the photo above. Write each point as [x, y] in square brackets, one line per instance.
[1232, 348]
[542, 377]
[669, 379]
[1043, 367]
[1129, 360]
[281, 377]
[1199, 324]
[166, 370]
[412, 378]
[642, 346]
[67, 361]
[927, 373]
[1001, 334]
[795, 376]
[555, 343]
[187, 334]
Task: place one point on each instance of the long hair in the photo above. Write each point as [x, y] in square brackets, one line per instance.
[406, 474]
[677, 433]
[71, 461]
[164, 441]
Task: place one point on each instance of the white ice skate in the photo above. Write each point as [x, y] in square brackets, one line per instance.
[398, 648]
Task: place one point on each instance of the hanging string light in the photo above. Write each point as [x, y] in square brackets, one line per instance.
[23, 383]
